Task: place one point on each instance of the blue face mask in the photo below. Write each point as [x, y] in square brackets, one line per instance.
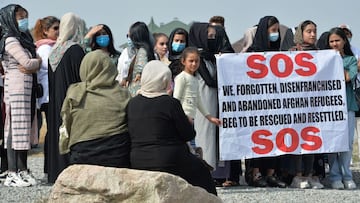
[177, 47]
[103, 40]
[274, 36]
[23, 24]
[130, 43]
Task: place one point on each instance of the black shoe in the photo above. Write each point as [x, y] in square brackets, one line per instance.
[273, 181]
[258, 181]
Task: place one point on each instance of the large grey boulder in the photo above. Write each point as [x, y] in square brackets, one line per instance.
[89, 183]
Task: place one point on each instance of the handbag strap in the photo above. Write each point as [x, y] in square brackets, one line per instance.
[131, 69]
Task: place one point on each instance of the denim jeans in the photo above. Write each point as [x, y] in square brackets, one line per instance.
[340, 162]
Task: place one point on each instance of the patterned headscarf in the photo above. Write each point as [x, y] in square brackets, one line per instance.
[298, 36]
[9, 29]
[299, 40]
[155, 79]
[71, 31]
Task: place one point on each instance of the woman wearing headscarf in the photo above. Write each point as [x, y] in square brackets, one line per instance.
[305, 36]
[159, 130]
[202, 36]
[94, 114]
[178, 41]
[64, 64]
[305, 39]
[322, 43]
[209, 40]
[267, 38]
[20, 62]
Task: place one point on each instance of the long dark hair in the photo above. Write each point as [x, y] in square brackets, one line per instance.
[140, 36]
[110, 47]
[341, 33]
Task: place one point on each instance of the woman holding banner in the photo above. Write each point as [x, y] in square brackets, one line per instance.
[305, 39]
[340, 174]
[267, 38]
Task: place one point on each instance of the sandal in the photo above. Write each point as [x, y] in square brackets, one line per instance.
[230, 183]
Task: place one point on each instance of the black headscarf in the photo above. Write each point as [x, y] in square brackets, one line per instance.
[198, 37]
[261, 40]
[175, 65]
[323, 42]
[172, 54]
[9, 29]
[222, 41]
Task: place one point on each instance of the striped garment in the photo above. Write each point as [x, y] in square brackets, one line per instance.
[17, 95]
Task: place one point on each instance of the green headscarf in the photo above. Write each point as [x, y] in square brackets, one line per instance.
[96, 106]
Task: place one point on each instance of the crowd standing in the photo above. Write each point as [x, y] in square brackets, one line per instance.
[154, 106]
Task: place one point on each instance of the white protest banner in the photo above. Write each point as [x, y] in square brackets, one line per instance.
[278, 103]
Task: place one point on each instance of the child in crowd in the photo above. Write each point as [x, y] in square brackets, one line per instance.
[187, 88]
[340, 174]
[161, 47]
[305, 39]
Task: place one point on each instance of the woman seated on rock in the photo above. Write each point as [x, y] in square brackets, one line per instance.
[94, 115]
[159, 130]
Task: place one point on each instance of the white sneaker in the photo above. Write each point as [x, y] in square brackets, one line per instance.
[3, 174]
[299, 182]
[327, 168]
[27, 177]
[349, 184]
[14, 180]
[337, 185]
[315, 182]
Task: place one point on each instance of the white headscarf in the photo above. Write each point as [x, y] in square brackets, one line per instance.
[155, 79]
[71, 31]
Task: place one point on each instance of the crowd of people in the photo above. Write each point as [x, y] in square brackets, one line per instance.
[154, 106]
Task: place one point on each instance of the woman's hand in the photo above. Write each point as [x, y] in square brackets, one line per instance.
[93, 31]
[123, 83]
[214, 120]
[347, 76]
[137, 77]
[27, 71]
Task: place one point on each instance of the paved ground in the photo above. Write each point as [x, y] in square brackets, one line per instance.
[242, 193]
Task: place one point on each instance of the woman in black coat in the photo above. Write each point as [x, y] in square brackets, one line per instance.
[159, 130]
